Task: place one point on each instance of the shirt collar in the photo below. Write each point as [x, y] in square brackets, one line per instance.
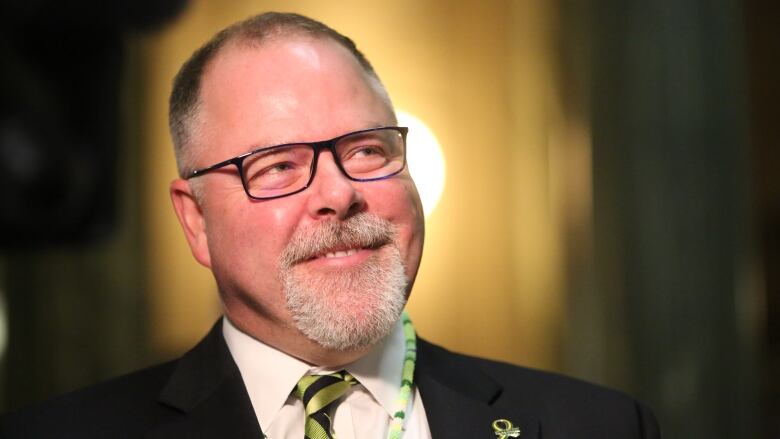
[381, 369]
[270, 374]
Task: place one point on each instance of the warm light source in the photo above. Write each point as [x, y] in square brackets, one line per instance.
[425, 159]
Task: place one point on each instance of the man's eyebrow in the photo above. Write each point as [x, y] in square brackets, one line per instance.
[270, 144]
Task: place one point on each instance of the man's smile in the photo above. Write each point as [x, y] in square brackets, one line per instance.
[340, 253]
[341, 258]
[346, 249]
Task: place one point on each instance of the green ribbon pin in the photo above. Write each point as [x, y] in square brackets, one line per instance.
[504, 429]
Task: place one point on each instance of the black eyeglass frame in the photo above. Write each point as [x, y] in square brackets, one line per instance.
[238, 161]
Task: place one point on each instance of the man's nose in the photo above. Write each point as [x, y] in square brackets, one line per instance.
[331, 193]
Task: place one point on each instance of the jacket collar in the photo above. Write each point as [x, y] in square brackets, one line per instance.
[460, 400]
[206, 387]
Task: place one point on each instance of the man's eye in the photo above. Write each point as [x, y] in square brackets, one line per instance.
[367, 151]
[279, 167]
[273, 171]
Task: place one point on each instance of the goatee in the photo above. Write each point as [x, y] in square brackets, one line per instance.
[352, 308]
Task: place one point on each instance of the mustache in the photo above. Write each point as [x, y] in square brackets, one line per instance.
[362, 230]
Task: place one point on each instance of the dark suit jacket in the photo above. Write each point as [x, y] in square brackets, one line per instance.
[202, 395]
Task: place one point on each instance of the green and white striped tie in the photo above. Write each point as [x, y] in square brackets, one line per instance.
[319, 393]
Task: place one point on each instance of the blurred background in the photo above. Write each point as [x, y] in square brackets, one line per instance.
[610, 204]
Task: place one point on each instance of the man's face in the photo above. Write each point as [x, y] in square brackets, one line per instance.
[295, 89]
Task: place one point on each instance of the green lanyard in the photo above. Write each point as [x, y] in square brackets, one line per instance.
[407, 380]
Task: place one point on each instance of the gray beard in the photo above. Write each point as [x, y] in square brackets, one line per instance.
[346, 309]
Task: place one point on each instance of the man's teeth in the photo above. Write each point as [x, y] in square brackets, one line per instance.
[341, 253]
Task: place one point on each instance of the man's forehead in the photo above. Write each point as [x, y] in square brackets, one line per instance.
[281, 57]
[309, 80]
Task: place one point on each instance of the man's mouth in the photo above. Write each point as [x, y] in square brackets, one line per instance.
[340, 253]
[338, 243]
[344, 251]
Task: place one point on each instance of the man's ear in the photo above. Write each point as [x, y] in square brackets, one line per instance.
[191, 219]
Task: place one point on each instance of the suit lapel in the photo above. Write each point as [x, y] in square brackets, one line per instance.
[208, 390]
[460, 400]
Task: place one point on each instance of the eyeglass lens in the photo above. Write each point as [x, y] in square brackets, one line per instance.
[367, 155]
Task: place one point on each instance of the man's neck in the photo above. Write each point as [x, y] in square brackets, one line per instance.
[293, 342]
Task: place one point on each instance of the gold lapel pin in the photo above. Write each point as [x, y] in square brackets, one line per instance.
[504, 429]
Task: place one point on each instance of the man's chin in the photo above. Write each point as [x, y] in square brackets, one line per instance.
[345, 319]
[349, 306]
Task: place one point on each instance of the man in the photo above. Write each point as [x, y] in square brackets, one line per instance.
[295, 193]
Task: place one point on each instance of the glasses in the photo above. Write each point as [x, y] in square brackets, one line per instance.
[282, 170]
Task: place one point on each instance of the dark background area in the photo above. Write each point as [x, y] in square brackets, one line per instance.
[763, 50]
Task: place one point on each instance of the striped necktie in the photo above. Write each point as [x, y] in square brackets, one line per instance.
[319, 393]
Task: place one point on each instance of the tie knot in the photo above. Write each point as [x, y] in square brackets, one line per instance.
[317, 392]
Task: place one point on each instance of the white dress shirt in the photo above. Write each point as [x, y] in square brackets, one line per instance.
[364, 413]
